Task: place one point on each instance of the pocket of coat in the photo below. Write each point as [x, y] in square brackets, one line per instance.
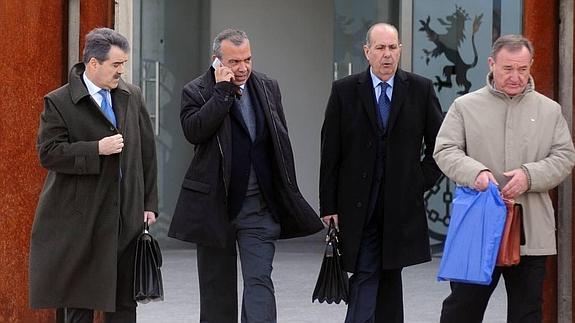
[196, 186]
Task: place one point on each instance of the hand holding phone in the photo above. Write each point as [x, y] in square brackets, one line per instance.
[216, 63]
[221, 72]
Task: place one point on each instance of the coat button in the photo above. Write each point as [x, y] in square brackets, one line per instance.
[369, 144]
[111, 128]
[358, 204]
[364, 175]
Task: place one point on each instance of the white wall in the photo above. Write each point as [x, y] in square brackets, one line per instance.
[291, 41]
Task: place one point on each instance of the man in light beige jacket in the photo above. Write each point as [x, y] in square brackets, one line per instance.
[509, 134]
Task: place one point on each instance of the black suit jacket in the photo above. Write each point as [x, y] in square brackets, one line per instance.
[201, 213]
[348, 164]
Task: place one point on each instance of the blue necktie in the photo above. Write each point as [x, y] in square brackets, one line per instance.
[383, 105]
[106, 107]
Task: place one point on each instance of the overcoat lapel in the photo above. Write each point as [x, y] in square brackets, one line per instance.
[120, 98]
[400, 86]
[79, 91]
[258, 105]
[367, 97]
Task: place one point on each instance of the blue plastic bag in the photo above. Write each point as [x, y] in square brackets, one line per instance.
[473, 236]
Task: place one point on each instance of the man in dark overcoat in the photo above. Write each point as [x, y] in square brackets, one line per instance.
[96, 141]
[372, 176]
[241, 184]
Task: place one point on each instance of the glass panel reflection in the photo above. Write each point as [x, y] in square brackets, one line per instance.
[451, 43]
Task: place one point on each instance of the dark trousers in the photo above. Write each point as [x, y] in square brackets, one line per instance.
[125, 304]
[376, 295]
[255, 231]
[80, 315]
[524, 286]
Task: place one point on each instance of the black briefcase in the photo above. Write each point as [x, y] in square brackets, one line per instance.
[148, 284]
[332, 281]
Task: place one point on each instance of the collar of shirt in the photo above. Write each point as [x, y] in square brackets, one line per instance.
[376, 80]
[93, 89]
[240, 95]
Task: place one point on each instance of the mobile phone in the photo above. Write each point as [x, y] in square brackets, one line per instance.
[216, 63]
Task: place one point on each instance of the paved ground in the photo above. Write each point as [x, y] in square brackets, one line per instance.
[295, 269]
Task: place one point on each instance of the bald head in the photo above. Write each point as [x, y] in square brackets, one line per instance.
[382, 50]
[380, 26]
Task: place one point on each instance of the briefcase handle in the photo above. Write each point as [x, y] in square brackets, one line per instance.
[331, 232]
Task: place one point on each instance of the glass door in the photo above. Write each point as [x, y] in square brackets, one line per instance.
[350, 26]
[432, 33]
[450, 44]
[167, 53]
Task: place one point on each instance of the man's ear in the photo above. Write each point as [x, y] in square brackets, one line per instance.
[92, 63]
[490, 62]
[365, 51]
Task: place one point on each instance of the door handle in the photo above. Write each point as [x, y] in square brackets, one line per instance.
[156, 79]
[157, 101]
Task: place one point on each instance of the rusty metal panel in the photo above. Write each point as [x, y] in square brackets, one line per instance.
[32, 62]
[541, 25]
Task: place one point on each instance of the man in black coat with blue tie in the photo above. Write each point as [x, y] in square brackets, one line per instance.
[241, 185]
[372, 175]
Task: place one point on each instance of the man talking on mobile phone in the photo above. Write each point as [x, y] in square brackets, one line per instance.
[240, 187]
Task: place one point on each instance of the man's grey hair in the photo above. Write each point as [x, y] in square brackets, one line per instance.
[237, 37]
[99, 41]
[512, 43]
[381, 24]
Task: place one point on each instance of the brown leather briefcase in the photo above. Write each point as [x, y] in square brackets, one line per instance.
[512, 237]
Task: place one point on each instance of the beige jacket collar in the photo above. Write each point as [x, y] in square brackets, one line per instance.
[491, 85]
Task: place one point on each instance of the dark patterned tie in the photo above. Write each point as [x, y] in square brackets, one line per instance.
[106, 107]
[383, 105]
